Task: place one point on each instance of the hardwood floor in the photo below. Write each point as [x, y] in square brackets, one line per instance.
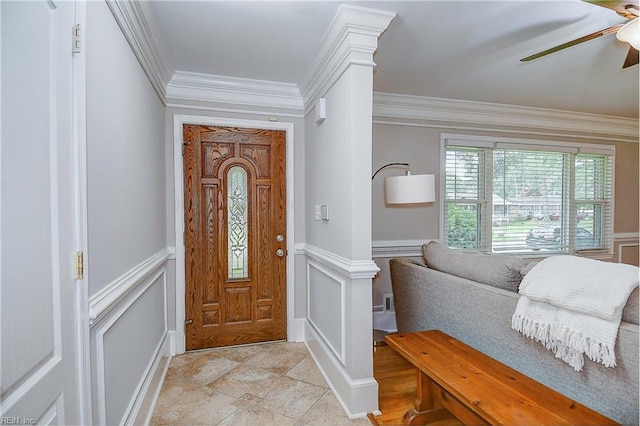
[397, 387]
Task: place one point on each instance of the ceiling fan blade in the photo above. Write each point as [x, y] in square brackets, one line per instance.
[632, 58]
[626, 8]
[591, 36]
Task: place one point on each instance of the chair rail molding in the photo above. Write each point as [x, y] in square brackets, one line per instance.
[446, 113]
[626, 236]
[110, 296]
[398, 248]
[353, 269]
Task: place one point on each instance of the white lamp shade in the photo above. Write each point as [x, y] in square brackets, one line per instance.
[410, 189]
[630, 33]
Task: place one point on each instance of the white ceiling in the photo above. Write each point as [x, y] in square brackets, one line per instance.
[468, 50]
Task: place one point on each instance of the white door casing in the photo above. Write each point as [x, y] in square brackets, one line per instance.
[41, 216]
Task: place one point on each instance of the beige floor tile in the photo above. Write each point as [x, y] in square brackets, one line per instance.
[244, 379]
[187, 369]
[328, 412]
[291, 398]
[308, 372]
[262, 417]
[277, 359]
[275, 383]
[248, 402]
[174, 390]
[211, 369]
[238, 353]
[198, 408]
[180, 360]
[295, 346]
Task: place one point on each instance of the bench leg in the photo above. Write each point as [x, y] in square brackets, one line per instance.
[425, 399]
[426, 409]
[413, 417]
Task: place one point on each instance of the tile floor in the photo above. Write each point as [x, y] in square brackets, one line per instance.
[267, 384]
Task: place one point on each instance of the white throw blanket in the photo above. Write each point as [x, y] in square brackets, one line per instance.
[573, 306]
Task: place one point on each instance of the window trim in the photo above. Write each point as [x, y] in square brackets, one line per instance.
[573, 148]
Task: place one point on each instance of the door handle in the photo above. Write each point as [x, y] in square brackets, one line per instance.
[279, 252]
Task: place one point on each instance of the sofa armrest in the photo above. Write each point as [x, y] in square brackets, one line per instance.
[407, 284]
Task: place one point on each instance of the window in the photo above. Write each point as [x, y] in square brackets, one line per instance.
[521, 196]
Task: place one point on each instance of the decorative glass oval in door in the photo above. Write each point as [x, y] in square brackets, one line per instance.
[237, 223]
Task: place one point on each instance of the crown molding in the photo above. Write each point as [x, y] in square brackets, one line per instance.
[197, 87]
[499, 115]
[141, 33]
[351, 39]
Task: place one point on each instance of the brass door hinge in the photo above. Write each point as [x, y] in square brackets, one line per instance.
[77, 39]
[78, 265]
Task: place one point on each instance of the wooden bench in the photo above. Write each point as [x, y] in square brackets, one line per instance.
[456, 380]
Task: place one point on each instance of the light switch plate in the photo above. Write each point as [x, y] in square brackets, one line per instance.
[324, 212]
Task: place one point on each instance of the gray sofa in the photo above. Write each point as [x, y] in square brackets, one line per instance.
[472, 297]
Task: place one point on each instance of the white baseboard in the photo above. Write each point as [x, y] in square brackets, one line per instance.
[173, 342]
[356, 397]
[298, 330]
[385, 321]
[148, 396]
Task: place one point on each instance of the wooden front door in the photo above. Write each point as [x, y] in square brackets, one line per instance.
[235, 240]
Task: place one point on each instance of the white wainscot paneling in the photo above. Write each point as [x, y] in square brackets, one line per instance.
[129, 343]
[326, 304]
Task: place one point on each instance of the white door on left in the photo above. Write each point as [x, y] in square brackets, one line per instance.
[38, 368]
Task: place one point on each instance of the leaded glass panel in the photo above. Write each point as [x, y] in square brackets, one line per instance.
[237, 223]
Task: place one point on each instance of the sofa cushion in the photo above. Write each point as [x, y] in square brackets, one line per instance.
[497, 270]
[630, 312]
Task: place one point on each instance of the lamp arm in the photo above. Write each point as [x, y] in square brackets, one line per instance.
[388, 165]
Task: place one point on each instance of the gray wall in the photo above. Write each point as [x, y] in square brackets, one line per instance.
[125, 154]
[127, 230]
[418, 142]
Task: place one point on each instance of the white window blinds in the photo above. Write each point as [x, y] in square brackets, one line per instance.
[519, 197]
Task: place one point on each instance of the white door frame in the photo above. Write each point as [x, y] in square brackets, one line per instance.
[178, 121]
[80, 238]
